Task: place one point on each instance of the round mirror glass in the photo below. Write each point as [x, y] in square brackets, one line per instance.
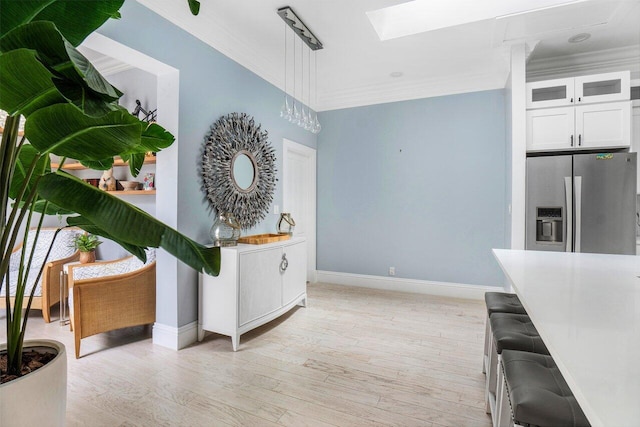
[243, 171]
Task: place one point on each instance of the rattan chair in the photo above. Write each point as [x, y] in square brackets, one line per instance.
[47, 293]
[109, 295]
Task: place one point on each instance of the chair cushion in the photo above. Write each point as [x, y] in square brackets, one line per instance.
[538, 393]
[500, 302]
[122, 266]
[515, 332]
[62, 248]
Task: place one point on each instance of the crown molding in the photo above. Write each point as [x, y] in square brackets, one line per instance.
[624, 58]
[217, 35]
[382, 94]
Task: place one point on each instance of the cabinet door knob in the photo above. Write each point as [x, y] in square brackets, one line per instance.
[571, 100]
[284, 264]
[579, 139]
[571, 140]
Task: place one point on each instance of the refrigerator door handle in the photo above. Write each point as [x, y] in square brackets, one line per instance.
[578, 216]
[568, 195]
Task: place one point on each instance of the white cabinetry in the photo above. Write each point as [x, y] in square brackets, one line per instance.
[584, 127]
[550, 129]
[256, 284]
[579, 90]
[589, 112]
[603, 125]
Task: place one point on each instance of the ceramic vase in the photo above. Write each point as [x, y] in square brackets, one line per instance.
[87, 257]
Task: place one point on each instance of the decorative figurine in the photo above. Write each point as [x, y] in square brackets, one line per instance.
[107, 181]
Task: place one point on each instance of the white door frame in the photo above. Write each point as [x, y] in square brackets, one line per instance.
[294, 147]
[166, 330]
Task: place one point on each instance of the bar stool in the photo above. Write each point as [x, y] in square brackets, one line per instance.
[508, 332]
[498, 302]
[535, 393]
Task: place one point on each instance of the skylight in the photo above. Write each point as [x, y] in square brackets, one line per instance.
[419, 16]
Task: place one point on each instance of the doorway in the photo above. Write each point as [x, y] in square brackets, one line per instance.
[299, 195]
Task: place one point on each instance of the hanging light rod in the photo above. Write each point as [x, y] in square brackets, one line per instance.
[299, 27]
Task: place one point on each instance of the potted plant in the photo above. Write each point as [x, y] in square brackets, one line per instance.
[70, 111]
[86, 244]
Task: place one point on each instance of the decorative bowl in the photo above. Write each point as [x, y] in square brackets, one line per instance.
[129, 185]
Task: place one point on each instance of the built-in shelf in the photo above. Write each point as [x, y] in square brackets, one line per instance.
[133, 192]
[117, 162]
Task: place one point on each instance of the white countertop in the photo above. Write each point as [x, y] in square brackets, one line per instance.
[586, 307]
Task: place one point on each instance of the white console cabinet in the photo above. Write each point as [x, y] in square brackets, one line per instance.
[256, 284]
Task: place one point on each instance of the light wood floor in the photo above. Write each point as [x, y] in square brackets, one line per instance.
[353, 357]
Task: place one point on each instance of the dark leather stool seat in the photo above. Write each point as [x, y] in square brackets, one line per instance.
[537, 392]
[508, 332]
[515, 332]
[498, 302]
[501, 302]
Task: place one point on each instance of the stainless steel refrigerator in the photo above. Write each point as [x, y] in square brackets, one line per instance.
[582, 203]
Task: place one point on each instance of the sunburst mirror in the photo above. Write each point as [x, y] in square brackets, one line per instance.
[238, 169]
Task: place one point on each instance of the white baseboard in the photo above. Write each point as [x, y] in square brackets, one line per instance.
[454, 290]
[175, 338]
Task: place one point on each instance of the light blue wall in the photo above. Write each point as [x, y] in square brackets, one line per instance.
[417, 185]
[433, 210]
[211, 85]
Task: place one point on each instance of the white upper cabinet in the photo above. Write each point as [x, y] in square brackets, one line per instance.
[607, 87]
[579, 113]
[579, 128]
[550, 93]
[550, 129]
[603, 125]
[596, 88]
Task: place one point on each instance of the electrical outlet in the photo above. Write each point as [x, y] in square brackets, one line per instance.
[276, 210]
[392, 271]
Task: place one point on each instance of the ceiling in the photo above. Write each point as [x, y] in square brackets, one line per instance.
[355, 67]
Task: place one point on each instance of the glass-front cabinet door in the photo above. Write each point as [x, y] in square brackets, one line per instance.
[602, 87]
[606, 87]
[550, 93]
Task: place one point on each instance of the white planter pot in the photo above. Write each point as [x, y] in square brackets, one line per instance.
[39, 398]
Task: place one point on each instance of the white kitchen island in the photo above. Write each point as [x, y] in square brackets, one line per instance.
[586, 307]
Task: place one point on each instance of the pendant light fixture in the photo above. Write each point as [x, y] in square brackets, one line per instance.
[295, 111]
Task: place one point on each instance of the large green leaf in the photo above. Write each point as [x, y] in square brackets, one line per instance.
[14, 13]
[76, 19]
[155, 138]
[26, 156]
[100, 165]
[126, 224]
[135, 162]
[77, 79]
[45, 206]
[90, 227]
[25, 84]
[64, 130]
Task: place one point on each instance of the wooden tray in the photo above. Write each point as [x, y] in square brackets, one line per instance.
[261, 239]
